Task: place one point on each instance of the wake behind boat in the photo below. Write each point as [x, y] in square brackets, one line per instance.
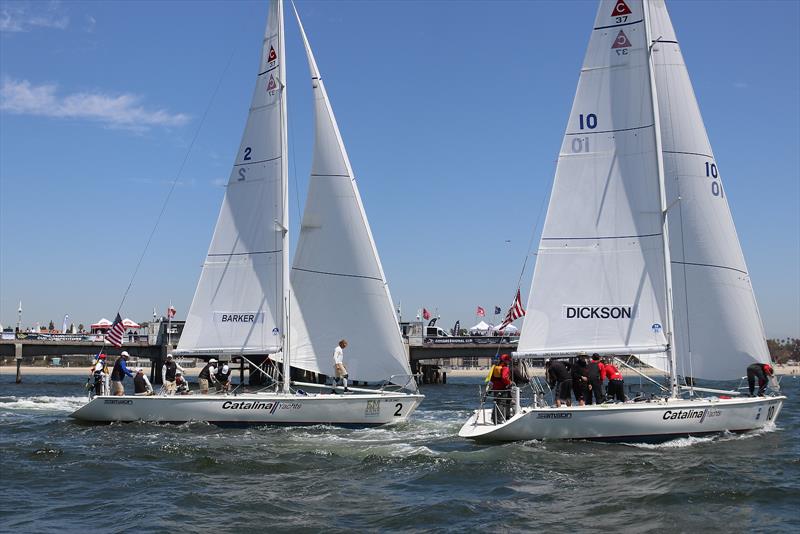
[639, 254]
[248, 306]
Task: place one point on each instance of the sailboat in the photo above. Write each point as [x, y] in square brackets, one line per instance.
[248, 303]
[639, 254]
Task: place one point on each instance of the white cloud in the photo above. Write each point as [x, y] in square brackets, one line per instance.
[741, 85]
[91, 22]
[25, 16]
[121, 111]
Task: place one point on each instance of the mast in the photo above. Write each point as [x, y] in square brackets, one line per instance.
[287, 361]
[669, 319]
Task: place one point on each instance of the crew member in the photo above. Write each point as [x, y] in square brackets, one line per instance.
[119, 373]
[207, 374]
[181, 385]
[559, 380]
[141, 384]
[224, 378]
[100, 375]
[595, 372]
[761, 371]
[616, 385]
[339, 370]
[519, 373]
[168, 372]
[580, 381]
[500, 388]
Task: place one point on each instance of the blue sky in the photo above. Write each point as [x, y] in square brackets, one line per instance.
[452, 114]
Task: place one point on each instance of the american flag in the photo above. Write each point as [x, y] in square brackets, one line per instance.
[114, 335]
[426, 314]
[515, 312]
[480, 311]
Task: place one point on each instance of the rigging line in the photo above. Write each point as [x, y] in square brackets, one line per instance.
[294, 174]
[175, 180]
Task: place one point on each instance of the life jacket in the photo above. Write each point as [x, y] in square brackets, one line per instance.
[205, 372]
[172, 368]
[116, 373]
[139, 385]
[501, 377]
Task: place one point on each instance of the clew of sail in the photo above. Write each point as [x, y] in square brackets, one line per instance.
[338, 286]
[717, 323]
[238, 305]
[599, 281]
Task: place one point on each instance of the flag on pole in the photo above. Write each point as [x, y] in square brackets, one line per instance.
[114, 335]
[64, 324]
[515, 312]
[497, 310]
[171, 311]
[480, 312]
[457, 328]
[426, 314]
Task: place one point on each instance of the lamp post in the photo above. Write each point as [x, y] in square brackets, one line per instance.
[19, 315]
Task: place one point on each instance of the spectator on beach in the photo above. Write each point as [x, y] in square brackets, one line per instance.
[141, 384]
[168, 372]
[119, 373]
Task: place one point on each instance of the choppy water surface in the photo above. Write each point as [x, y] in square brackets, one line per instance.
[59, 475]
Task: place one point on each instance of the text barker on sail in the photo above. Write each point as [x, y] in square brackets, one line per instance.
[239, 317]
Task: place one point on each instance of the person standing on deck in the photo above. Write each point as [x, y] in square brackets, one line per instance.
[207, 374]
[168, 372]
[595, 372]
[616, 385]
[559, 380]
[580, 381]
[99, 374]
[762, 371]
[339, 370]
[141, 384]
[118, 374]
[501, 389]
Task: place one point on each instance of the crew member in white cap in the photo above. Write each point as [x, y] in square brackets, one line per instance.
[118, 374]
[141, 384]
[208, 374]
[168, 371]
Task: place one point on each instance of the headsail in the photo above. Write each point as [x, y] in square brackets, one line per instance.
[717, 324]
[337, 278]
[238, 305]
[599, 280]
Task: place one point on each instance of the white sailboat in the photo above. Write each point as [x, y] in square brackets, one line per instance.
[639, 254]
[247, 303]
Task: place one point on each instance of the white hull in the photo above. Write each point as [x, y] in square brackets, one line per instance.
[633, 422]
[255, 409]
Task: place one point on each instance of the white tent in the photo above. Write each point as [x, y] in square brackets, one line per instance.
[482, 327]
[509, 329]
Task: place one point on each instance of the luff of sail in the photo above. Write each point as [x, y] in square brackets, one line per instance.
[238, 304]
[717, 324]
[599, 279]
[338, 286]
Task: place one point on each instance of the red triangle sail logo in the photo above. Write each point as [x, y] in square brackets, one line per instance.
[271, 85]
[621, 41]
[621, 8]
[272, 55]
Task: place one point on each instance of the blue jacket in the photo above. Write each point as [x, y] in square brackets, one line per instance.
[120, 370]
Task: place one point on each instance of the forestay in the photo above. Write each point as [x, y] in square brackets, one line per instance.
[599, 280]
[238, 305]
[717, 325]
[339, 288]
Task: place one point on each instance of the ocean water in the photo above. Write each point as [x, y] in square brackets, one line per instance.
[59, 475]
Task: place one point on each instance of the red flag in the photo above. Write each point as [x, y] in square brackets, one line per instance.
[171, 311]
[426, 314]
[114, 335]
[515, 312]
[481, 312]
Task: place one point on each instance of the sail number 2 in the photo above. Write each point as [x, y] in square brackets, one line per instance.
[713, 173]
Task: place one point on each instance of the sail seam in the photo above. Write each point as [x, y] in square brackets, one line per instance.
[246, 253]
[710, 265]
[255, 162]
[331, 175]
[612, 131]
[618, 25]
[598, 237]
[337, 274]
[688, 153]
[268, 70]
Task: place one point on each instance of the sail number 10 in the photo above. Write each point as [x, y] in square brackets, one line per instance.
[713, 173]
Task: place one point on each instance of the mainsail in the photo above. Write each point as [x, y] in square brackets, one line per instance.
[599, 281]
[718, 330]
[339, 288]
[238, 305]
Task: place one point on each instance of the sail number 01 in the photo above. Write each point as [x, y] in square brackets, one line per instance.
[713, 173]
